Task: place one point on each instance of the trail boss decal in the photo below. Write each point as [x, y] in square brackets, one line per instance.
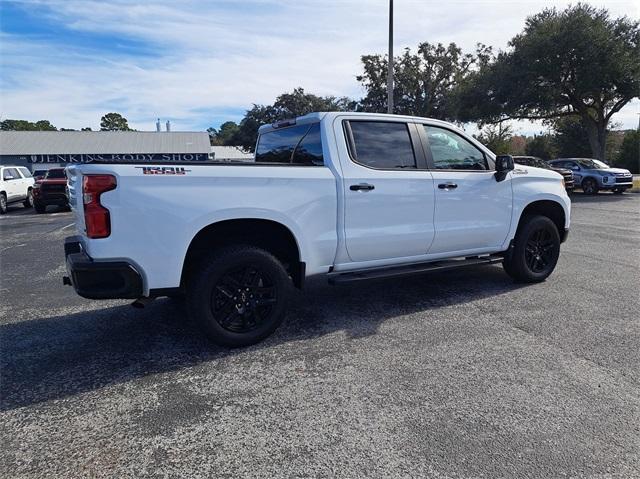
[163, 170]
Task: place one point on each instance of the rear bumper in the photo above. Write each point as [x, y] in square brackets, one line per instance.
[99, 279]
[52, 200]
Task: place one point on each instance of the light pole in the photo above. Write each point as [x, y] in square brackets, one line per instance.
[390, 63]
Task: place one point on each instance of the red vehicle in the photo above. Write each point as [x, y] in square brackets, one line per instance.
[51, 190]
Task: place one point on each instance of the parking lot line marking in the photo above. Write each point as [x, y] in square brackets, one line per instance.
[14, 246]
[65, 227]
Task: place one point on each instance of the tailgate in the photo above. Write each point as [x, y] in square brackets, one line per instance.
[74, 191]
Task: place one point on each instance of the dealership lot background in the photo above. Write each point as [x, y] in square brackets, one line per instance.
[450, 375]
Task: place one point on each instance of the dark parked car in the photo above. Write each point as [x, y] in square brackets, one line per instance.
[540, 163]
[595, 175]
[51, 190]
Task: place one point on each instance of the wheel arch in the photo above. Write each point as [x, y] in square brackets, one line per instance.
[549, 208]
[267, 234]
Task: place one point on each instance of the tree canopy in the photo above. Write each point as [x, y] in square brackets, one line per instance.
[24, 125]
[114, 121]
[287, 105]
[577, 62]
[424, 82]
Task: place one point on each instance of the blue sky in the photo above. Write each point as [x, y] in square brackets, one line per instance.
[199, 63]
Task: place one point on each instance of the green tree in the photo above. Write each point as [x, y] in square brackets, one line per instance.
[86, 128]
[629, 156]
[496, 137]
[24, 125]
[424, 82]
[575, 62]
[570, 138]
[114, 121]
[225, 134]
[287, 105]
[540, 146]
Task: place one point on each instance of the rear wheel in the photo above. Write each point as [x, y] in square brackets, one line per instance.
[3, 203]
[590, 186]
[535, 251]
[239, 295]
[28, 203]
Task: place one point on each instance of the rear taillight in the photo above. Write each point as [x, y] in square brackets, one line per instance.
[96, 216]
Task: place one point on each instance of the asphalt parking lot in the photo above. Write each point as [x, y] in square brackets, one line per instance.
[457, 374]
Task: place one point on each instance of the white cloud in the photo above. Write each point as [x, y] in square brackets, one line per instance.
[205, 61]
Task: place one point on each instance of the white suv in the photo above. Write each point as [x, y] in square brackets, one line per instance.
[16, 184]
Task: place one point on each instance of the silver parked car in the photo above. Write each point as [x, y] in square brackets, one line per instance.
[594, 175]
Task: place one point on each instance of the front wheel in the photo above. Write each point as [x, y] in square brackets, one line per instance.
[239, 295]
[590, 186]
[3, 204]
[40, 208]
[535, 251]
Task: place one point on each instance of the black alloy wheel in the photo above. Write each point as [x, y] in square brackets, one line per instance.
[589, 186]
[535, 251]
[243, 299]
[540, 250]
[238, 294]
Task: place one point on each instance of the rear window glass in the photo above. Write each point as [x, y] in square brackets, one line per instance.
[56, 174]
[383, 145]
[298, 145]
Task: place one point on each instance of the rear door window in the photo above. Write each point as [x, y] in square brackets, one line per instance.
[298, 145]
[26, 173]
[382, 144]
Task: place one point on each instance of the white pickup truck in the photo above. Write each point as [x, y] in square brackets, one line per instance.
[347, 196]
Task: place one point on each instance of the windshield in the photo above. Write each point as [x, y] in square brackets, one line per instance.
[55, 174]
[593, 164]
[538, 163]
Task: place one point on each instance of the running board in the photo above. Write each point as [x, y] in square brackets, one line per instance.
[406, 270]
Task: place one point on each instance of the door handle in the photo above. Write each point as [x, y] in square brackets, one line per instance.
[448, 185]
[362, 187]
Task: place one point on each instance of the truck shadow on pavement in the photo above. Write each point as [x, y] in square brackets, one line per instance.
[60, 356]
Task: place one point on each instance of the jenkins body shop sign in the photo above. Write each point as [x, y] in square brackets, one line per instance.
[123, 157]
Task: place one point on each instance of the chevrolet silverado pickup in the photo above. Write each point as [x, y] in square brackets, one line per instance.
[345, 196]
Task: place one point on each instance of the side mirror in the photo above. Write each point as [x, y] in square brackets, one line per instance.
[504, 164]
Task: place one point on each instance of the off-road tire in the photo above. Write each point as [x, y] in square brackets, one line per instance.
[220, 280]
[535, 250]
